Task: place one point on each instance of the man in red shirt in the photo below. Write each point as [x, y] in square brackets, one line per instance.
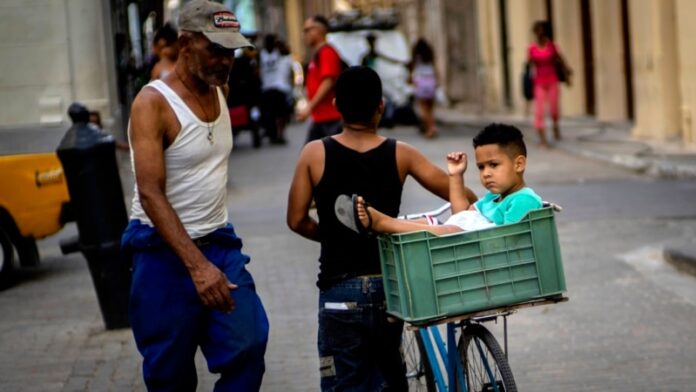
[322, 72]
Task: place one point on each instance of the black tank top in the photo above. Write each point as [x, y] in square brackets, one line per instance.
[372, 174]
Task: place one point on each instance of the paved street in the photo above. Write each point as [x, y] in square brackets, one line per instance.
[627, 327]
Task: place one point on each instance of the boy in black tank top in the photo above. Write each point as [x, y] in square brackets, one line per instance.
[358, 346]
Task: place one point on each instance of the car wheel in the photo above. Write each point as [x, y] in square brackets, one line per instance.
[6, 257]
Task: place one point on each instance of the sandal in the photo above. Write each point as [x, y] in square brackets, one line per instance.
[346, 210]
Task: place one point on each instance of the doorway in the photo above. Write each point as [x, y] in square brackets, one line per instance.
[628, 63]
[588, 56]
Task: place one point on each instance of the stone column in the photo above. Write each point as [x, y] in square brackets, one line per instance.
[490, 59]
[436, 36]
[294, 21]
[87, 57]
[568, 36]
[610, 81]
[656, 70]
[686, 31]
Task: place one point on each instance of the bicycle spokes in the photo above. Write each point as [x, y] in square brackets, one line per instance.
[485, 365]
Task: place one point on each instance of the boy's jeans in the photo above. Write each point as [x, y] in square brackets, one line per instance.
[170, 321]
[359, 349]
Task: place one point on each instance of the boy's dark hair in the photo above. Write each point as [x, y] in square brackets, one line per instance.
[506, 136]
[358, 94]
[321, 19]
[168, 33]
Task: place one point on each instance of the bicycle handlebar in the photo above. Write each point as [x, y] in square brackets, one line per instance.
[437, 212]
[445, 207]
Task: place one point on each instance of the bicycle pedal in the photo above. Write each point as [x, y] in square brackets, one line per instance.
[488, 387]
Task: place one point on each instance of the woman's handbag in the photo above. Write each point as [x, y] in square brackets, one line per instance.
[527, 82]
[561, 70]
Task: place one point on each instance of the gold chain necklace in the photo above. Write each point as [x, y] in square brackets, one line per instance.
[205, 112]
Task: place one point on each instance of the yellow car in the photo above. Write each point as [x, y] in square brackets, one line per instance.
[33, 196]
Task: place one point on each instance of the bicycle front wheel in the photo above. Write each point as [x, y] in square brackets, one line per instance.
[485, 366]
[418, 372]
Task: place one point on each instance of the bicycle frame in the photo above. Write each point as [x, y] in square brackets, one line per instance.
[454, 368]
[449, 354]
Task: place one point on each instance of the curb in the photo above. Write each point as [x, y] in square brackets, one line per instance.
[661, 165]
[656, 167]
[682, 258]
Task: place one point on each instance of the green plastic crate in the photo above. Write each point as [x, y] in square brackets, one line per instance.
[427, 277]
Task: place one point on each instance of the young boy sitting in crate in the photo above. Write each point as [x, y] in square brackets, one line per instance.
[501, 157]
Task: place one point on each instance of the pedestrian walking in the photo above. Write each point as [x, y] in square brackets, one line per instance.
[550, 68]
[358, 346]
[322, 72]
[190, 286]
[168, 51]
[425, 80]
[244, 104]
[276, 86]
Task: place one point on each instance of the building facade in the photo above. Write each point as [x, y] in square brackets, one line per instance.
[633, 60]
[54, 53]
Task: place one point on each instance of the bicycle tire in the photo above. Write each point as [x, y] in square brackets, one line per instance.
[6, 257]
[418, 372]
[476, 375]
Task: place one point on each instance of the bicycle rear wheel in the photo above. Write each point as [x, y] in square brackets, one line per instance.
[485, 365]
[418, 372]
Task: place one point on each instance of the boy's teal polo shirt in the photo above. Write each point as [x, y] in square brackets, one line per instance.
[511, 209]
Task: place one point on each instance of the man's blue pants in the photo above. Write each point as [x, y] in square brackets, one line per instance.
[170, 321]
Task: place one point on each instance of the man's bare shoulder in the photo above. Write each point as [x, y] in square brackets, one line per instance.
[405, 150]
[150, 115]
[147, 99]
[311, 160]
[312, 151]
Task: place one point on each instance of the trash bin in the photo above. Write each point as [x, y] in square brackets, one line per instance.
[88, 157]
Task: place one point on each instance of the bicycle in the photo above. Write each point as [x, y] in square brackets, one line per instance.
[475, 361]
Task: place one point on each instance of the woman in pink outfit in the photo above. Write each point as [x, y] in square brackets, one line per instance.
[548, 63]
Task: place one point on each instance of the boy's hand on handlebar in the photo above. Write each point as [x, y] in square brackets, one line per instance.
[456, 163]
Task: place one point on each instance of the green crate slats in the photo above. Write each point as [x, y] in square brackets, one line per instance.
[428, 277]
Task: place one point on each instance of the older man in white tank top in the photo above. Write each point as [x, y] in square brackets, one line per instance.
[190, 285]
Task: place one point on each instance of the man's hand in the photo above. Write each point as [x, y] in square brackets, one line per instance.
[303, 114]
[213, 287]
[456, 163]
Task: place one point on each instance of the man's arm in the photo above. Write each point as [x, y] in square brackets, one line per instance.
[429, 175]
[147, 132]
[329, 68]
[324, 87]
[300, 195]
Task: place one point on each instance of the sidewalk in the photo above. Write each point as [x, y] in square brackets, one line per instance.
[609, 142]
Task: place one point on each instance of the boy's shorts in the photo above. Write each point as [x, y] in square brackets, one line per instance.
[469, 220]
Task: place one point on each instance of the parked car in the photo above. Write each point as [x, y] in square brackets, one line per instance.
[33, 205]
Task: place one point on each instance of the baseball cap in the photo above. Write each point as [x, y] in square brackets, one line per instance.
[215, 21]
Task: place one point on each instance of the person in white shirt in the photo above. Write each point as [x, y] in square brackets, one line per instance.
[276, 86]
